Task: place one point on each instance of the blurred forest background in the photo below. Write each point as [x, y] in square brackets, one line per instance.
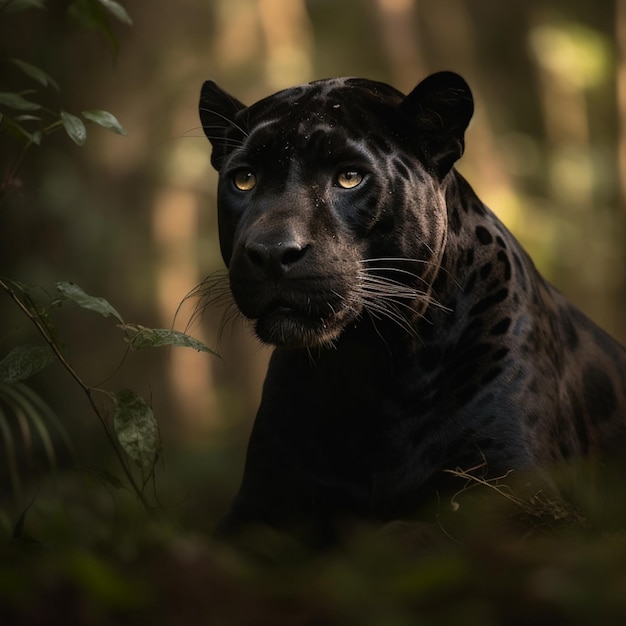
[133, 218]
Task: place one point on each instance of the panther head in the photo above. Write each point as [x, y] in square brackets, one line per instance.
[331, 201]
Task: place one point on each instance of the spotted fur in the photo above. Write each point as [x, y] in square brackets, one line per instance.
[413, 333]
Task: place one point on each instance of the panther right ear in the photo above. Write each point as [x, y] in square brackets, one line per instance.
[217, 114]
[441, 107]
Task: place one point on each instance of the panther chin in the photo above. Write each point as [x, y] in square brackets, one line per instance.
[286, 327]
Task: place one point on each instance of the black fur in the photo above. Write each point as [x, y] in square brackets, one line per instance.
[413, 334]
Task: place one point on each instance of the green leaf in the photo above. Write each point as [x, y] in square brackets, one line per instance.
[74, 127]
[157, 337]
[17, 102]
[15, 127]
[117, 10]
[14, 6]
[17, 130]
[26, 295]
[91, 303]
[36, 73]
[10, 456]
[104, 119]
[27, 117]
[136, 428]
[23, 362]
[90, 14]
[30, 410]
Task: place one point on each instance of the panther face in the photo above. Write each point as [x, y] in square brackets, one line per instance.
[323, 221]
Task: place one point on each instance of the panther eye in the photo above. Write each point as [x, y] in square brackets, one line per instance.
[349, 179]
[244, 180]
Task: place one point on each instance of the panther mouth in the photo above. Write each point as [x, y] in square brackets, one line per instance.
[287, 325]
[297, 311]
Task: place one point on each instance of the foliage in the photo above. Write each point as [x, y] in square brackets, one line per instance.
[479, 562]
[26, 112]
[23, 410]
[133, 433]
[128, 422]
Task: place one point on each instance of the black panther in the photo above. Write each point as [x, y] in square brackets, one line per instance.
[412, 332]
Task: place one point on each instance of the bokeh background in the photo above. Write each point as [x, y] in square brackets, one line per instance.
[133, 219]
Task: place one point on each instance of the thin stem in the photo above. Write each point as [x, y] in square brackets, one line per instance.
[13, 172]
[44, 332]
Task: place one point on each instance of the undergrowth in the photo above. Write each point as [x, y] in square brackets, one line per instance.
[495, 552]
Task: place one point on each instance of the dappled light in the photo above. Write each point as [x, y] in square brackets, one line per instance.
[132, 220]
[288, 42]
[540, 148]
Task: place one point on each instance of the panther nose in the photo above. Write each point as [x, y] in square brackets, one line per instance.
[277, 258]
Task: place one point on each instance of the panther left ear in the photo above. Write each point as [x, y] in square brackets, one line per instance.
[217, 114]
[441, 107]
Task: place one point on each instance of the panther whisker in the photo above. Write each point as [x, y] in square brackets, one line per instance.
[398, 259]
[380, 309]
[188, 134]
[213, 292]
[400, 304]
[397, 270]
[418, 297]
[228, 120]
[383, 303]
[391, 287]
[375, 304]
[436, 265]
[378, 272]
[228, 142]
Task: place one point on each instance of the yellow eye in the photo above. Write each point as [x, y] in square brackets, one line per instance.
[349, 179]
[245, 180]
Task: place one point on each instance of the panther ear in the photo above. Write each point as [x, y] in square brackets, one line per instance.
[217, 114]
[441, 107]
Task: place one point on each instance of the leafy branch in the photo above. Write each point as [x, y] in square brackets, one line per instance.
[23, 113]
[134, 432]
[29, 112]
